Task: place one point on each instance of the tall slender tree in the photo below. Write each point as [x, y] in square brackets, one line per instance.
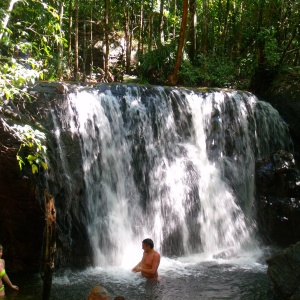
[193, 30]
[204, 26]
[84, 44]
[161, 23]
[91, 41]
[76, 63]
[60, 41]
[127, 37]
[6, 17]
[174, 76]
[150, 30]
[106, 38]
[70, 26]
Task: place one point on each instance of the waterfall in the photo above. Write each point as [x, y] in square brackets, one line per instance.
[175, 165]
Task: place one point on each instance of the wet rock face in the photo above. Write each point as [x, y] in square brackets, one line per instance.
[278, 199]
[21, 214]
[283, 95]
[284, 270]
[67, 187]
[22, 219]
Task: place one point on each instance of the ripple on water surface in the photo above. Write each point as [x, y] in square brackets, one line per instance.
[186, 278]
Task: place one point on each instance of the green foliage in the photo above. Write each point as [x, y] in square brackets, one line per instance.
[246, 65]
[157, 64]
[190, 75]
[210, 70]
[40, 24]
[232, 36]
[271, 49]
[32, 140]
[16, 74]
[222, 71]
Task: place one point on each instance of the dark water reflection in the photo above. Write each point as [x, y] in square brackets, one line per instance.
[187, 281]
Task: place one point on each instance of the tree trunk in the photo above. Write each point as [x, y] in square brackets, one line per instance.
[141, 29]
[60, 43]
[127, 39]
[204, 27]
[260, 44]
[161, 23]
[240, 31]
[7, 16]
[225, 34]
[92, 44]
[84, 52]
[173, 78]
[84, 48]
[70, 34]
[174, 27]
[140, 42]
[76, 67]
[49, 245]
[193, 30]
[106, 22]
[150, 37]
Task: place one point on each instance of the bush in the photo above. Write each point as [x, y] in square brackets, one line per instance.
[156, 65]
[209, 71]
[190, 75]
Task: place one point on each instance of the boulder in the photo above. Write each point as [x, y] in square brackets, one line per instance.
[22, 219]
[284, 271]
[283, 95]
[278, 199]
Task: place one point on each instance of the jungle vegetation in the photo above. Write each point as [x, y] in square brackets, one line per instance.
[219, 43]
[200, 42]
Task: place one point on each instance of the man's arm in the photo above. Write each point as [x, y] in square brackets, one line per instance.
[138, 267]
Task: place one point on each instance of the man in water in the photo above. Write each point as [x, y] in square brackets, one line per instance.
[150, 261]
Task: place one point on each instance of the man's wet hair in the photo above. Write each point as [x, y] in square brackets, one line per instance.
[148, 242]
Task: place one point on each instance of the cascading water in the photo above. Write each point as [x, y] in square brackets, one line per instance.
[174, 165]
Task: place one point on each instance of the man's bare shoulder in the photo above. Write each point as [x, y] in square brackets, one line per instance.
[156, 254]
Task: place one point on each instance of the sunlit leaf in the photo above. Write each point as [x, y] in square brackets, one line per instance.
[31, 157]
[45, 166]
[34, 169]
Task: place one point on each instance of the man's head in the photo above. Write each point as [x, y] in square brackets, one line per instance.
[148, 242]
[98, 292]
